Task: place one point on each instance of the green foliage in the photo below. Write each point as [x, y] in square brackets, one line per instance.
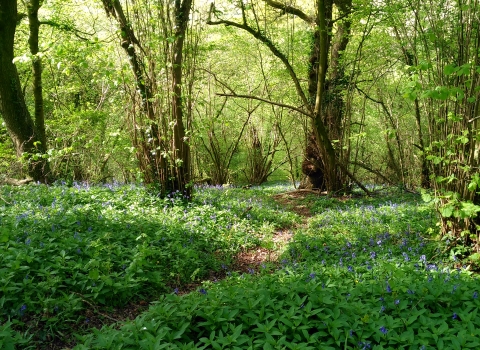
[360, 276]
[60, 245]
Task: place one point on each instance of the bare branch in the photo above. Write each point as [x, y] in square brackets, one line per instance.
[373, 171]
[68, 28]
[291, 10]
[268, 101]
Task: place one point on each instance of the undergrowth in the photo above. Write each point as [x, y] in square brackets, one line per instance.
[362, 273]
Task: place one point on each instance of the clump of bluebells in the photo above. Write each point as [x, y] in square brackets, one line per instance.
[343, 282]
[66, 246]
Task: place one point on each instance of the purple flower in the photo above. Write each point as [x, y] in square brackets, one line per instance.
[203, 291]
[383, 330]
[22, 310]
[397, 301]
[423, 259]
[475, 295]
[389, 290]
[28, 241]
[455, 316]
[373, 255]
[365, 346]
[312, 276]
[350, 268]
[382, 309]
[175, 291]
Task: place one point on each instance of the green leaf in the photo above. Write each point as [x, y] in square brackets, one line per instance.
[446, 211]
[449, 69]
[94, 274]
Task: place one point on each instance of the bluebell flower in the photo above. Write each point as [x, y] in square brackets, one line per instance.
[389, 290]
[475, 295]
[454, 316]
[22, 310]
[350, 268]
[175, 291]
[382, 309]
[365, 346]
[410, 291]
[28, 241]
[312, 276]
[203, 291]
[397, 301]
[383, 330]
[373, 255]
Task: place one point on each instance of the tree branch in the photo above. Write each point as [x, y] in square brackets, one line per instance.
[381, 103]
[67, 28]
[373, 171]
[260, 36]
[291, 10]
[268, 101]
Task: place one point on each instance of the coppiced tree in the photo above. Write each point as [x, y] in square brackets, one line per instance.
[441, 44]
[160, 131]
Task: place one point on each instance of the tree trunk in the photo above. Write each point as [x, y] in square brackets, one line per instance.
[325, 96]
[13, 108]
[181, 147]
[34, 25]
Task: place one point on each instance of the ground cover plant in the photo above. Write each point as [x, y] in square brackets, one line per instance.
[358, 273]
[361, 274]
[65, 249]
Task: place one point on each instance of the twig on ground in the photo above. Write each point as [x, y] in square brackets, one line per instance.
[95, 307]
